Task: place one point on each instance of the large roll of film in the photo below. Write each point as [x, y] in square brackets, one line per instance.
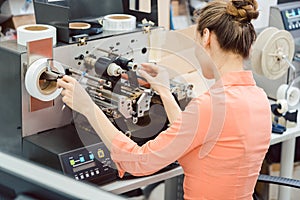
[256, 53]
[27, 33]
[39, 88]
[271, 51]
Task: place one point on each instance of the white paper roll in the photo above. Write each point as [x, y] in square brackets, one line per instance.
[33, 32]
[42, 89]
[118, 22]
[292, 95]
[283, 104]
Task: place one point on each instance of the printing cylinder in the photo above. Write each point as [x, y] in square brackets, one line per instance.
[126, 64]
[101, 66]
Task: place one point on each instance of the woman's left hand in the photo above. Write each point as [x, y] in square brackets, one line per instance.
[75, 96]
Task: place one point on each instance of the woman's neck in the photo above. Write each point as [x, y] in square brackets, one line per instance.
[226, 62]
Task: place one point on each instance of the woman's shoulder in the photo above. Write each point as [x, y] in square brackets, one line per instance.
[202, 101]
[202, 97]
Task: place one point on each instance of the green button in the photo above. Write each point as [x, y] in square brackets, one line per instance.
[72, 162]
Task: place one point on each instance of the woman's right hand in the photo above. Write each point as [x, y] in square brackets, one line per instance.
[75, 96]
[158, 77]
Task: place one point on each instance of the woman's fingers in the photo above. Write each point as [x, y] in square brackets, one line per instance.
[66, 82]
[150, 68]
[68, 79]
[146, 75]
[62, 84]
[63, 92]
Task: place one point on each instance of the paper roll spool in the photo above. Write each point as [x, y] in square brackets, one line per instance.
[34, 32]
[292, 95]
[118, 22]
[42, 89]
[283, 106]
[79, 25]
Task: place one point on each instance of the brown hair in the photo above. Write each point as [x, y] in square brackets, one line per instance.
[231, 22]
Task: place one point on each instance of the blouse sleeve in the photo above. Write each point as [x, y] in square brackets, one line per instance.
[166, 148]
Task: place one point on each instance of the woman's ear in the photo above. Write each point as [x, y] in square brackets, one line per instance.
[206, 37]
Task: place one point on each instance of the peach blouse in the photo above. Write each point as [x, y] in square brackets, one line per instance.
[220, 141]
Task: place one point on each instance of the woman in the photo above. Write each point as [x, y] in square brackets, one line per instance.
[221, 138]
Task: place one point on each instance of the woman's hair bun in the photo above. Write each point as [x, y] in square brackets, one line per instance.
[243, 10]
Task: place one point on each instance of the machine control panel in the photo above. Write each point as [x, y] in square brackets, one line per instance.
[291, 18]
[286, 16]
[88, 163]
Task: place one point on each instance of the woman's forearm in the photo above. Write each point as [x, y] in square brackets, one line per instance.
[171, 106]
[102, 125]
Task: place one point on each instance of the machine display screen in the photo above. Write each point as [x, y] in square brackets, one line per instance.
[291, 18]
[84, 167]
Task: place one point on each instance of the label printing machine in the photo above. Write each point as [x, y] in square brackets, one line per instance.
[40, 130]
[34, 121]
